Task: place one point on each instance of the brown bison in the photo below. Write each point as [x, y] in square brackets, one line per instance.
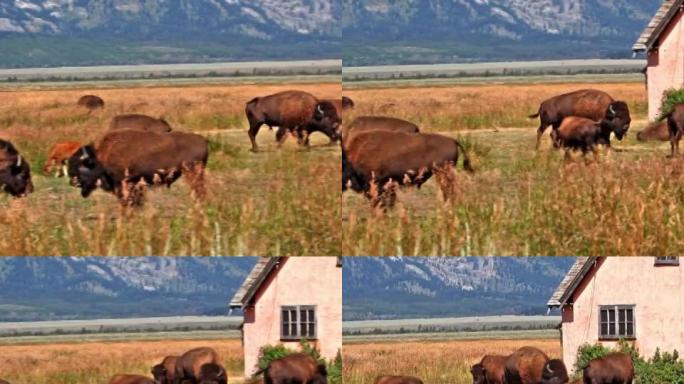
[589, 103]
[555, 372]
[58, 156]
[675, 124]
[294, 112]
[490, 370]
[131, 379]
[124, 162]
[613, 368]
[140, 122]
[342, 104]
[525, 366]
[579, 133]
[91, 102]
[4, 382]
[189, 365]
[294, 368]
[165, 372]
[658, 131]
[397, 380]
[372, 162]
[212, 373]
[15, 172]
[377, 123]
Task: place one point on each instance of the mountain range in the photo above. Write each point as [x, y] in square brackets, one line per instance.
[410, 287]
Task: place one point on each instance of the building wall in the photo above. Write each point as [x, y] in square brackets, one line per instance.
[657, 292]
[666, 65]
[299, 281]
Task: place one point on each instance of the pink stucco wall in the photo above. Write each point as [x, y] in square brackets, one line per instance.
[666, 65]
[298, 281]
[656, 291]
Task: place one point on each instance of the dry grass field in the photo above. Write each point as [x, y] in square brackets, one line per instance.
[275, 202]
[521, 201]
[97, 362]
[435, 362]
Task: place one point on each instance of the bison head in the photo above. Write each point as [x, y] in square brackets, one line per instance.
[86, 172]
[347, 103]
[618, 118]
[15, 177]
[478, 373]
[159, 373]
[211, 373]
[555, 372]
[326, 120]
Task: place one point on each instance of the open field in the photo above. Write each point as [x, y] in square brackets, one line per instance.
[435, 362]
[97, 362]
[521, 201]
[275, 202]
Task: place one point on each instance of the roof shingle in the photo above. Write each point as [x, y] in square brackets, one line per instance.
[649, 37]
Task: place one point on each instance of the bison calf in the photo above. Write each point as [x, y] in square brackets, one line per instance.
[579, 133]
[614, 368]
[58, 156]
[131, 379]
[525, 366]
[658, 131]
[15, 172]
[397, 380]
[165, 372]
[490, 370]
[189, 365]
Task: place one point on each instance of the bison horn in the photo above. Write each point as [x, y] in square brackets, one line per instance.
[19, 161]
[85, 154]
[548, 368]
[611, 109]
[319, 108]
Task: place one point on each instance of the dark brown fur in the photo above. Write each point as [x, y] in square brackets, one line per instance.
[675, 124]
[140, 122]
[189, 365]
[614, 368]
[131, 379]
[525, 366]
[397, 380]
[579, 133]
[658, 131]
[15, 171]
[296, 368]
[58, 156]
[490, 370]
[589, 103]
[165, 372]
[555, 372]
[91, 102]
[377, 123]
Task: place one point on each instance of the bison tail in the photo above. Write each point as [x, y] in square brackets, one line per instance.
[466, 160]
[534, 116]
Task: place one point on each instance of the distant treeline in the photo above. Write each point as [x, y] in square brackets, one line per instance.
[448, 329]
[120, 329]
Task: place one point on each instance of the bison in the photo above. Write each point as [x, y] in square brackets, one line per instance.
[140, 122]
[165, 372]
[377, 123]
[555, 372]
[212, 373]
[525, 366]
[124, 162]
[91, 102]
[4, 382]
[397, 380]
[590, 103]
[675, 124]
[295, 112]
[579, 133]
[375, 160]
[58, 156]
[658, 131]
[15, 171]
[342, 104]
[189, 365]
[490, 370]
[614, 368]
[131, 379]
[294, 368]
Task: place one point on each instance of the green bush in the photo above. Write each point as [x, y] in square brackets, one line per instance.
[269, 353]
[587, 353]
[671, 97]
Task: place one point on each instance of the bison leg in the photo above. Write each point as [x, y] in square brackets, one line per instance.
[281, 135]
[302, 137]
[253, 130]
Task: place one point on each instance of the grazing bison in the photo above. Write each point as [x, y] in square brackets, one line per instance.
[374, 160]
[131, 379]
[658, 131]
[294, 368]
[378, 123]
[589, 103]
[397, 380]
[165, 372]
[212, 373]
[579, 133]
[91, 102]
[613, 368]
[525, 366]
[490, 370]
[555, 372]
[675, 124]
[58, 156]
[189, 365]
[15, 172]
[293, 112]
[124, 162]
[139, 122]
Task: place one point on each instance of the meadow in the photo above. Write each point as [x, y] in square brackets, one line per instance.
[435, 362]
[274, 202]
[520, 201]
[96, 362]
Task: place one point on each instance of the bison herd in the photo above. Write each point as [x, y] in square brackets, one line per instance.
[529, 365]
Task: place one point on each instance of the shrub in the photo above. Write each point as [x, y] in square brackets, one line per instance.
[587, 353]
[671, 97]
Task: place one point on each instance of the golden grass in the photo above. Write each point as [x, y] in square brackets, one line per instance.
[446, 362]
[97, 362]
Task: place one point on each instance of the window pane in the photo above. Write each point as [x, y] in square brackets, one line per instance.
[621, 315]
[312, 330]
[302, 314]
[611, 329]
[293, 329]
[305, 329]
[604, 315]
[621, 328]
[604, 329]
[630, 329]
[286, 316]
[630, 315]
[293, 313]
[286, 329]
[611, 315]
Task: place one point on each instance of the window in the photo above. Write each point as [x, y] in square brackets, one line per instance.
[667, 260]
[298, 322]
[616, 322]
